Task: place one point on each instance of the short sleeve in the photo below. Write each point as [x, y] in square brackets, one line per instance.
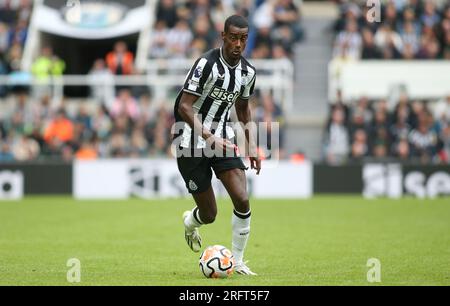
[249, 88]
[197, 76]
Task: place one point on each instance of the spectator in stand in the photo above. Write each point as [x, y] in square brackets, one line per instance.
[388, 41]
[369, 50]
[423, 139]
[287, 14]
[379, 132]
[401, 150]
[18, 34]
[179, 39]
[120, 61]
[87, 151]
[42, 112]
[60, 129]
[3, 72]
[390, 15]
[430, 17]
[413, 29]
[429, 48]
[348, 43]
[263, 17]
[445, 152]
[4, 38]
[202, 30]
[16, 75]
[410, 41]
[125, 105]
[25, 149]
[101, 123]
[446, 47]
[138, 143]
[336, 148]
[269, 112]
[45, 66]
[7, 12]
[148, 108]
[158, 45]
[360, 147]
[5, 152]
[118, 145]
[409, 16]
[166, 12]
[400, 129]
[101, 73]
[275, 22]
[159, 134]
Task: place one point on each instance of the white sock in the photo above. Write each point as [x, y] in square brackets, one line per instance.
[192, 221]
[240, 223]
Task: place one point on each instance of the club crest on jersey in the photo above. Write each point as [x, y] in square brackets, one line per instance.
[218, 93]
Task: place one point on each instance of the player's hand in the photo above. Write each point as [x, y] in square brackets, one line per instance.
[255, 163]
[222, 144]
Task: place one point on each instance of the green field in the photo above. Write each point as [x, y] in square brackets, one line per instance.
[322, 241]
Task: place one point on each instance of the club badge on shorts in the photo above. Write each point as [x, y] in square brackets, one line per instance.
[192, 185]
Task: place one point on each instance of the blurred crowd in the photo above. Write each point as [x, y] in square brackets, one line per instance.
[14, 19]
[414, 130]
[133, 126]
[191, 27]
[407, 29]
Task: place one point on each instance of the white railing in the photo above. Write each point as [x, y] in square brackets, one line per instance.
[162, 76]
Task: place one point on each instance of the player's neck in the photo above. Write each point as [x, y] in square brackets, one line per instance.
[227, 60]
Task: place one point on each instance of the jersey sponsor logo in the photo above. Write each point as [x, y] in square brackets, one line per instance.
[218, 93]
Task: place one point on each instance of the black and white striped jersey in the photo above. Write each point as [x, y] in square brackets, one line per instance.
[218, 85]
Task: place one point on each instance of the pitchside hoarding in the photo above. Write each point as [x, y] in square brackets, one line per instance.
[395, 180]
[392, 180]
[17, 180]
[121, 179]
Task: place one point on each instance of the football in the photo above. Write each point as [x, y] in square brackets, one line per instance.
[216, 262]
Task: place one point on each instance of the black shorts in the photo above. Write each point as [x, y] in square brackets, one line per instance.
[197, 174]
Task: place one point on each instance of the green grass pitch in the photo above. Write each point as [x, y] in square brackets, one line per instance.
[321, 241]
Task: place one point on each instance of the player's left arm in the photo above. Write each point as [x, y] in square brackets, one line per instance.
[244, 116]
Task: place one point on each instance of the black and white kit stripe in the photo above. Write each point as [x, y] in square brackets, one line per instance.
[218, 85]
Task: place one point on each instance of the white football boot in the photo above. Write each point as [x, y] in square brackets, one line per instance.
[241, 268]
[193, 238]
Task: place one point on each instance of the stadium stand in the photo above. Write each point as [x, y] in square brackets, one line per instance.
[124, 121]
[395, 127]
[414, 131]
[190, 28]
[408, 30]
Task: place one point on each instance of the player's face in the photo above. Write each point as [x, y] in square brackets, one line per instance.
[234, 42]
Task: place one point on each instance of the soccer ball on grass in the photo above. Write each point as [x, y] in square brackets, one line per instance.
[216, 262]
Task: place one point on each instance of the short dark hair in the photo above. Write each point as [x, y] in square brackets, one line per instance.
[237, 21]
